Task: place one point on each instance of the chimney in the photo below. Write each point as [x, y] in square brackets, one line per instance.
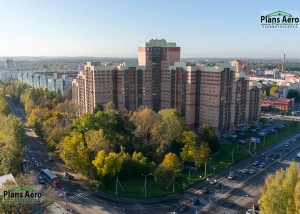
[283, 63]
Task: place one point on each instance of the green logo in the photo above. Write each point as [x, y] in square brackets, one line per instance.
[279, 19]
[22, 194]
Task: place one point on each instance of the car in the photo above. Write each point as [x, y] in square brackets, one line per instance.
[270, 155]
[298, 155]
[212, 182]
[25, 171]
[229, 138]
[33, 159]
[234, 136]
[28, 151]
[31, 154]
[272, 130]
[39, 166]
[287, 145]
[58, 193]
[252, 171]
[67, 175]
[36, 163]
[218, 185]
[255, 163]
[205, 191]
[279, 149]
[250, 211]
[241, 133]
[275, 156]
[231, 175]
[41, 180]
[262, 134]
[231, 204]
[50, 159]
[245, 171]
[241, 142]
[286, 150]
[294, 140]
[196, 201]
[184, 208]
[262, 165]
[256, 207]
[253, 130]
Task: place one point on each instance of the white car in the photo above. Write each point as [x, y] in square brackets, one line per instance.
[262, 165]
[245, 171]
[250, 211]
[287, 145]
[298, 155]
[255, 163]
[252, 171]
[57, 192]
[212, 182]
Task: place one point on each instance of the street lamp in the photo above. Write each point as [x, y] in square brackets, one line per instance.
[205, 167]
[232, 155]
[117, 182]
[173, 179]
[264, 141]
[145, 184]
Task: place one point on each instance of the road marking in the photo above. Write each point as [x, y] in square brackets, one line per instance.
[79, 196]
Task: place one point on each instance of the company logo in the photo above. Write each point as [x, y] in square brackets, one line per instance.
[22, 194]
[279, 19]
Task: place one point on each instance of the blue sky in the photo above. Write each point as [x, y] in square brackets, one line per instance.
[115, 28]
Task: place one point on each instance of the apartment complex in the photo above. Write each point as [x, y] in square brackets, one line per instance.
[51, 80]
[220, 95]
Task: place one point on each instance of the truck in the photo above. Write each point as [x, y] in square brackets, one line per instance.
[51, 178]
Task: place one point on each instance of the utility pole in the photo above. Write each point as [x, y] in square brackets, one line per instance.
[145, 184]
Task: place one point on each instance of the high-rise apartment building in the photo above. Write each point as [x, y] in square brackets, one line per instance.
[9, 64]
[220, 95]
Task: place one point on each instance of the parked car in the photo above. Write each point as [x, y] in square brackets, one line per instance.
[262, 134]
[41, 180]
[241, 142]
[250, 211]
[196, 201]
[253, 130]
[67, 175]
[50, 159]
[241, 133]
[184, 208]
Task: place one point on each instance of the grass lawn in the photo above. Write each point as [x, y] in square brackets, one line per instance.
[133, 187]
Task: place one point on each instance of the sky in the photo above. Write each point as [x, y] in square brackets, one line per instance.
[116, 28]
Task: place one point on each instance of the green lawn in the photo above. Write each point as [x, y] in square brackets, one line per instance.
[133, 188]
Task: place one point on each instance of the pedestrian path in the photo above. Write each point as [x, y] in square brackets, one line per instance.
[226, 210]
[193, 197]
[79, 196]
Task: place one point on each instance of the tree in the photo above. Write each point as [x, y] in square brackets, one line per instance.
[279, 193]
[264, 94]
[272, 91]
[96, 141]
[188, 150]
[143, 119]
[109, 106]
[172, 161]
[206, 134]
[165, 129]
[163, 174]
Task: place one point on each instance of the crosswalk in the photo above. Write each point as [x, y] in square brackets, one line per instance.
[193, 197]
[225, 210]
[79, 196]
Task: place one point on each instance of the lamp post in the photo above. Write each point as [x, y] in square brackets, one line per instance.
[264, 141]
[205, 167]
[189, 177]
[145, 184]
[116, 183]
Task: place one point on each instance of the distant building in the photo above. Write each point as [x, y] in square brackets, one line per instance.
[53, 81]
[281, 103]
[9, 64]
[216, 95]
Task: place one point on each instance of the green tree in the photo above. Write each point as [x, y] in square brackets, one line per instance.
[206, 134]
[264, 94]
[163, 174]
[109, 106]
[189, 148]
